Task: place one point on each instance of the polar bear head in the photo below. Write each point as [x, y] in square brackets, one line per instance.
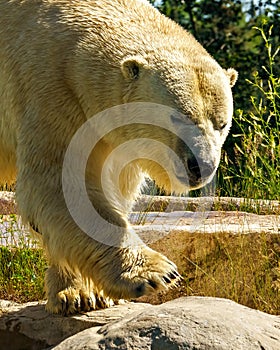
[198, 94]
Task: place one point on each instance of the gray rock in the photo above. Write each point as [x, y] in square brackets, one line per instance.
[29, 327]
[185, 323]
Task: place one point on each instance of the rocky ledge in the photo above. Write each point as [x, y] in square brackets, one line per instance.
[184, 323]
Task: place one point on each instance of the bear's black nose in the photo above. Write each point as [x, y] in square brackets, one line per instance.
[199, 168]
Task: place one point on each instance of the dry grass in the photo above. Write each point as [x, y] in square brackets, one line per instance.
[243, 268]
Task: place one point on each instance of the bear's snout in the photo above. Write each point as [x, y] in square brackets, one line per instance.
[199, 170]
[199, 165]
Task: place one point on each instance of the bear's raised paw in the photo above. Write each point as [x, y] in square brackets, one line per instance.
[148, 272]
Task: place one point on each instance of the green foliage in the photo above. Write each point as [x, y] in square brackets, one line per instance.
[255, 169]
[22, 264]
[21, 273]
[225, 29]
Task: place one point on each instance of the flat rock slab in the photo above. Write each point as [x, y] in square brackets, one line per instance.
[185, 323]
[173, 203]
[154, 217]
[156, 225]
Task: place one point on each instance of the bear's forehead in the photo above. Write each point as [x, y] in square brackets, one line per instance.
[205, 75]
[200, 91]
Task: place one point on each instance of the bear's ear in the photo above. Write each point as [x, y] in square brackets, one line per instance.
[232, 76]
[131, 67]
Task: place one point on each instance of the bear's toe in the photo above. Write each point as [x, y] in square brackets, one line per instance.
[71, 301]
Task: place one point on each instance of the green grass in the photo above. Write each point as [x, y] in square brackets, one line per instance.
[253, 169]
[22, 274]
[22, 263]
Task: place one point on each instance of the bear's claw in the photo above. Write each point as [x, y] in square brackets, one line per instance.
[71, 301]
[174, 275]
[166, 279]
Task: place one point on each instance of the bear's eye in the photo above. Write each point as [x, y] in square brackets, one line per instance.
[134, 70]
[222, 126]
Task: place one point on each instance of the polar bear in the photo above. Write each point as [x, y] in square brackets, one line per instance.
[63, 63]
